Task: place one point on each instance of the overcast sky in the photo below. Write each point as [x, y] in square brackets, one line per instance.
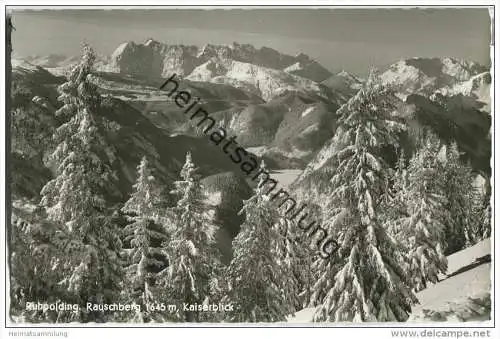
[350, 39]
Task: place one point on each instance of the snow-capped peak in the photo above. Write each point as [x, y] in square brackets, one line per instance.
[151, 42]
[427, 75]
[478, 87]
[344, 73]
[120, 49]
[21, 63]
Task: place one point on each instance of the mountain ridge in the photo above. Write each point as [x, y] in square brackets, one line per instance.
[183, 59]
[436, 79]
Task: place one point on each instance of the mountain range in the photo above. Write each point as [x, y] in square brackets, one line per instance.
[282, 108]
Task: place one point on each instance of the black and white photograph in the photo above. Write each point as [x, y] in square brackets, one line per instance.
[272, 166]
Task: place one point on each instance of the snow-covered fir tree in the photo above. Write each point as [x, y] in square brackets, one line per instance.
[485, 221]
[291, 254]
[146, 236]
[34, 262]
[305, 256]
[427, 216]
[462, 198]
[194, 260]
[30, 127]
[322, 270]
[76, 197]
[394, 203]
[483, 212]
[369, 283]
[479, 226]
[259, 271]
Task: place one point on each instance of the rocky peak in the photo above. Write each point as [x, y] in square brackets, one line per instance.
[166, 59]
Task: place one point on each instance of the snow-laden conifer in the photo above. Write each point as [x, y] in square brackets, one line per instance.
[462, 198]
[369, 283]
[194, 259]
[76, 197]
[260, 266]
[146, 236]
[427, 216]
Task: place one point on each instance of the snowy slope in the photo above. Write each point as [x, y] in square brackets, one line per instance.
[468, 256]
[51, 60]
[293, 68]
[22, 64]
[59, 64]
[303, 316]
[285, 177]
[206, 71]
[463, 296]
